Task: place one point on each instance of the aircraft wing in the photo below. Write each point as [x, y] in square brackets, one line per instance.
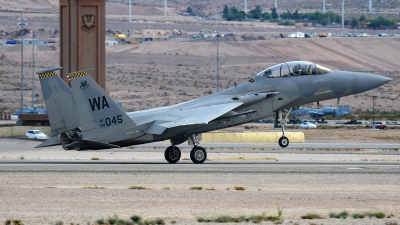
[191, 116]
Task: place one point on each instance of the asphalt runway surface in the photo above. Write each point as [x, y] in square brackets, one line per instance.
[41, 186]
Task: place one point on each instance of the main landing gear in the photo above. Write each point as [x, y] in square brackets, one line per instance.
[283, 141]
[198, 154]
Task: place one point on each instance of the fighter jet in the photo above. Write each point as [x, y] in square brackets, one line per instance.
[84, 117]
[321, 113]
[28, 110]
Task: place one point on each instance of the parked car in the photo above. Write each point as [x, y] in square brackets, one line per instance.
[379, 125]
[382, 35]
[36, 134]
[392, 35]
[307, 125]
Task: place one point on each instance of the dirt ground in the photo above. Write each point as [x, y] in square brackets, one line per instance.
[167, 72]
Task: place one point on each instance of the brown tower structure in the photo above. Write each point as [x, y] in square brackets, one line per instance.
[82, 39]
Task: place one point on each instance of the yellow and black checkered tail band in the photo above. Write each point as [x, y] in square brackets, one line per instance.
[49, 74]
[75, 75]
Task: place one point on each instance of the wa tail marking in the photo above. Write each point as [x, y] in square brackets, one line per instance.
[96, 103]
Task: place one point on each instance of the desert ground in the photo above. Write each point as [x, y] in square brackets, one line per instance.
[165, 72]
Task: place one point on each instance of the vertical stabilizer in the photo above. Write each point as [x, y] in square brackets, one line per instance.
[99, 114]
[346, 109]
[59, 100]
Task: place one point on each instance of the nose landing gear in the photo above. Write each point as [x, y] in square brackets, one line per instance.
[283, 141]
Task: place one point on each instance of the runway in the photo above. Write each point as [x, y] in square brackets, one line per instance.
[157, 166]
[41, 186]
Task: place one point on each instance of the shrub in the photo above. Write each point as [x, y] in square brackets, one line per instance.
[112, 220]
[240, 188]
[17, 222]
[196, 188]
[150, 222]
[358, 216]
[223, 219]
[137, 187]
[379, 215]
[342, 215]
[286, 23]
[100, 221]
[136, 218]
[311, 216]
[257, 218]
[203, 220]
[159, 221]
[272, 218]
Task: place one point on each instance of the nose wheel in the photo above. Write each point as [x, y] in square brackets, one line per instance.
[283, 141]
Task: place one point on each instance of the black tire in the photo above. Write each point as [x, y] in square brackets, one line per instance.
[198, 155]
[283, 142]
[172, 154]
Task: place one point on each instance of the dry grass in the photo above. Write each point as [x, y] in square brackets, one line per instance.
[240, 188]
[137, 188]
[93, 187]
[196, 188]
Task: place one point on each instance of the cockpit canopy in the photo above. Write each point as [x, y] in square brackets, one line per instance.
[295, 68]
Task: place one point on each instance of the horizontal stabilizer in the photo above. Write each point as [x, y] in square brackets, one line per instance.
[94, 145]
[50, 142]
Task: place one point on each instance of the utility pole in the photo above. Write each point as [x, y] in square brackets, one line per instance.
[165, 7]
[342, 14]
[22, 22]
[217, 60]
[370, 5]
[245, 6]
[373, 111]
[130, 11]
[323, 6]
[276, 4]
[33, 65]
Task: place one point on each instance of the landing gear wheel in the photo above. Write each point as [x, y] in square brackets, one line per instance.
[172, 154]
[198, 155]
[283, 142]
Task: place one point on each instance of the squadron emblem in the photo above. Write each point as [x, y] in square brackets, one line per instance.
[84, 84]
[88, 23]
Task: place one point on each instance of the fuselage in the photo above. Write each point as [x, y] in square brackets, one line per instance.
[261, 96]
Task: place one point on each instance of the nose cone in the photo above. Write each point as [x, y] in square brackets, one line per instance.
[368, 81]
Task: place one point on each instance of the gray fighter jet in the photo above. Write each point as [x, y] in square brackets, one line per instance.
[84, 117]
